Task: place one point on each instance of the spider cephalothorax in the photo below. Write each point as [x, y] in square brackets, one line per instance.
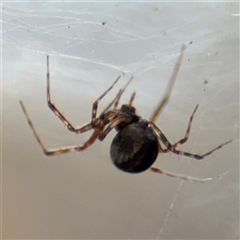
[129, 113]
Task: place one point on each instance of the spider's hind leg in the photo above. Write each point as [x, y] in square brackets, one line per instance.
[197, 156]
[60, 151]
[184, 177]
[183, 140]
[171, 147]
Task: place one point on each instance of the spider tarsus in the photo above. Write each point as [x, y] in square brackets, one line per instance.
[196, 108]
[213, 150]
[186, 178]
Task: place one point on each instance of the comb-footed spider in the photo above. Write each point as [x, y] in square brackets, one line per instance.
[136, 146]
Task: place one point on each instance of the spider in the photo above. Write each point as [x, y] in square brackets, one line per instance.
[137, 143]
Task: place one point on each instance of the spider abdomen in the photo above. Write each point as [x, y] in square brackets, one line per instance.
[135, 148]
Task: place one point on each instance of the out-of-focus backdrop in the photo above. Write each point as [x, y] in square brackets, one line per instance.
[82, 195]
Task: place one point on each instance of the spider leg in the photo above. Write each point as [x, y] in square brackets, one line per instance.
[119, 96]
[95, 104]
[170, 86]
[113, 124]
[132, 98]
[171, 147]
[182, 141]
[197, 156]
[116, 99]
[63, 118]
[57, 112]
[183, 177]
[59, 151]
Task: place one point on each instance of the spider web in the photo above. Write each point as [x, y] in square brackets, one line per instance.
[83, 195]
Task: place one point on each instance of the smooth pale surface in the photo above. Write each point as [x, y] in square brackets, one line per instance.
[82, 195]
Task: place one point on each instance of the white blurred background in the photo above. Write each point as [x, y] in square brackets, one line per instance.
[82, 195]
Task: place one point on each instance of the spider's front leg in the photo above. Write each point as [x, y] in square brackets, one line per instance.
[115, 101]
[95, 104]
[58, 113]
